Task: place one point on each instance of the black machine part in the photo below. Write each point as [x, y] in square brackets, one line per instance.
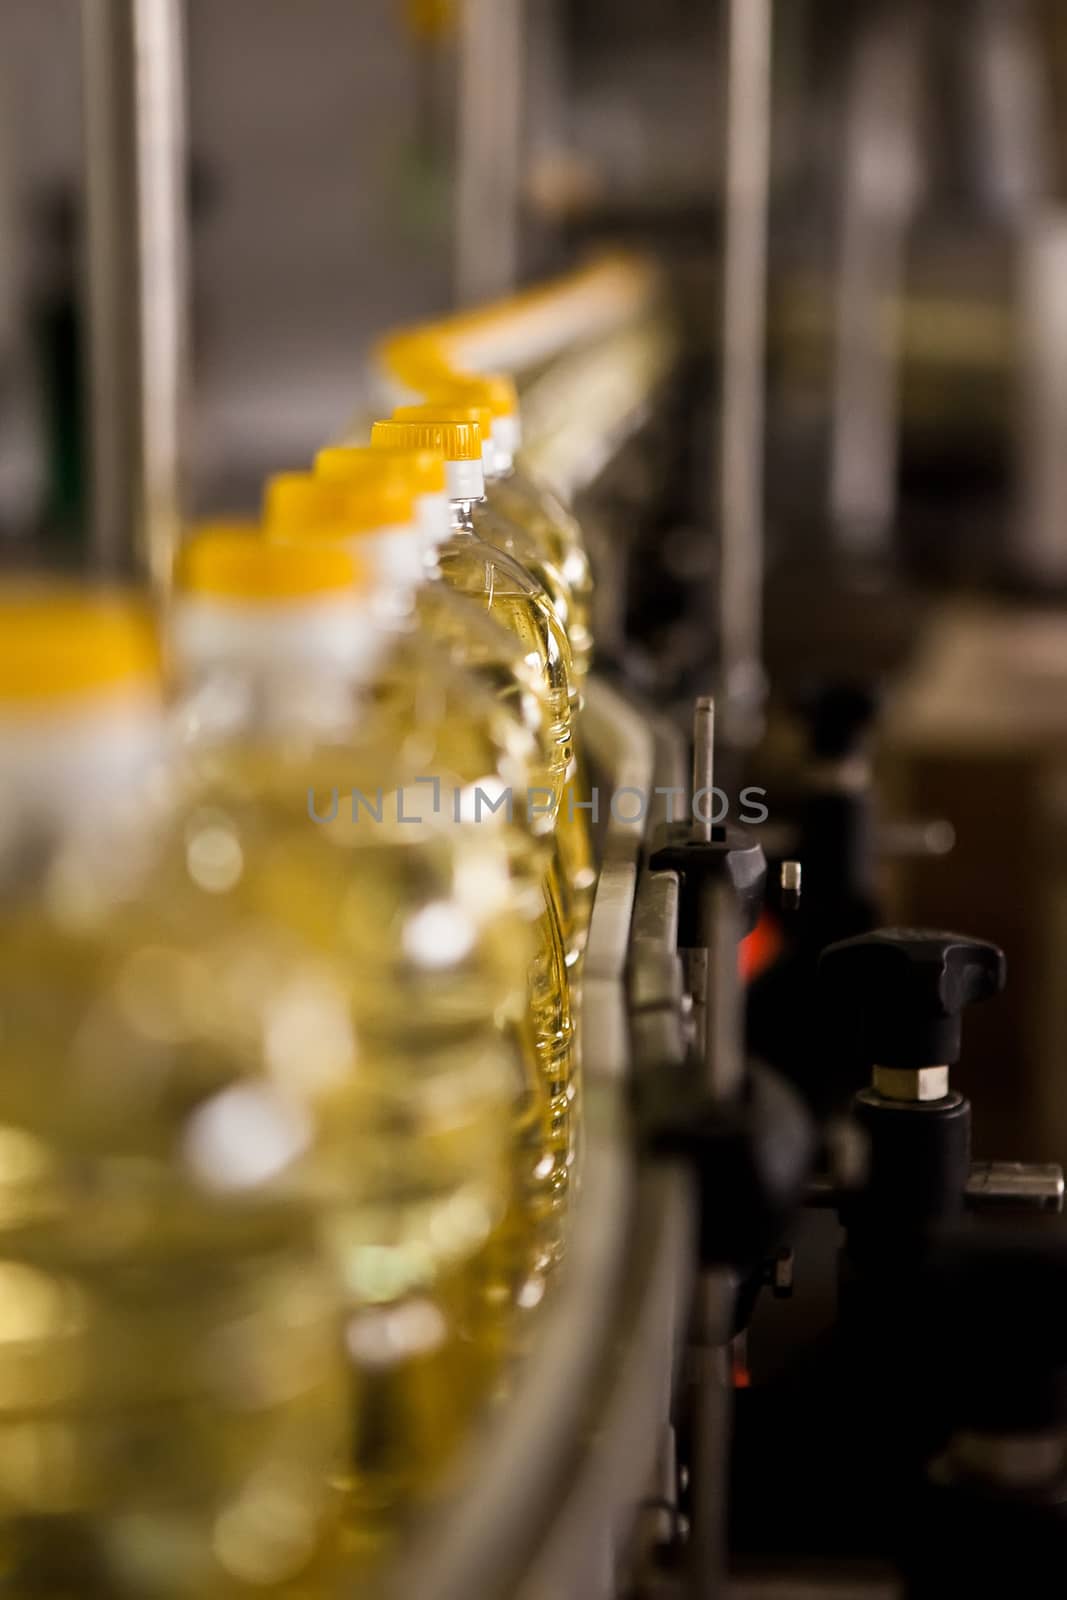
[730, 855]
[900, 994]
[752, 1156]
[907, 988]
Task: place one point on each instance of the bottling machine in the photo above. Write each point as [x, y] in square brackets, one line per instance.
[782, 286]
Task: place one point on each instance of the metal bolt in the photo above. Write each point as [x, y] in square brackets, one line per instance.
[778, 1273]
[911, 1083]
[790, 879]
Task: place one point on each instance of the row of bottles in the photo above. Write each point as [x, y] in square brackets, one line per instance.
[289, 1085]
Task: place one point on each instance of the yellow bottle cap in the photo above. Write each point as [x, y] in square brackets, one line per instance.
[227, 562]
[494, 391]
[414, 357]
[458, 443]
[422, 470]
[454, 441]
[451, 411]
[299, 503]
[59, 642]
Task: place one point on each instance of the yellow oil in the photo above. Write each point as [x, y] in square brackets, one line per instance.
[441, 1123]
[497, 658]
[549, 536]
[457, 728]
[171, 1372]
[557, 535]
[512, 700]
[550, 545]
[270, 1044]
[516, 599]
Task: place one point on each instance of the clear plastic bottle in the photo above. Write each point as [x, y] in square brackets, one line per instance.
[171, 1373]
[518, 538]
[549, 533]
[420, 1086]
[456, 721]
[297, 502]
[500, 586]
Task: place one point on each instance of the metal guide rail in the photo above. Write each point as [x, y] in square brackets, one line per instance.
[546, 1501]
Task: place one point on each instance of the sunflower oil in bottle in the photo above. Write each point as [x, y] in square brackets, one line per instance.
[493, 523]
[489, 522]
[445, 717]
[416, 1166]
[500, 586]
[171, 1372]
[497, 658]
[492, 653]
[524, 500]
[547, 537]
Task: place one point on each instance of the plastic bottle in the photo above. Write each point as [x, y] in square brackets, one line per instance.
[501, 586]
[548, 530]
[458, 723]
[416, 1167]
[171, 1374]
[517, 539]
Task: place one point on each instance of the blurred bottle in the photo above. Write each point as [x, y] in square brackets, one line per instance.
[171, 1379]
[443, 718]
[501, 586]
[417, 1090]
[472, 637]
[521, 539]
[545, 531]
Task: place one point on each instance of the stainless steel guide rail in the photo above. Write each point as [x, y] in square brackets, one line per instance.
[136, 215]
[545, 1503]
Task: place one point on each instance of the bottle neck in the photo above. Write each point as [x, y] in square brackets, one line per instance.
[462, 517]
[434, 521]
[465, 480]
[394, 555]
[72, 766]
[268, 670]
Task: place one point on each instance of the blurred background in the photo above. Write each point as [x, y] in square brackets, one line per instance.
[917, 152]
[923, 138]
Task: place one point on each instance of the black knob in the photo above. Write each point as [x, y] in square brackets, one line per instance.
[731, 856]
[906, 988]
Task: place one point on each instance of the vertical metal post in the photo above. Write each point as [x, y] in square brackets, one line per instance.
[740, 578]
[703, 767]
[134, 100]
[880, 187]
[488, 149]
[1039, 545]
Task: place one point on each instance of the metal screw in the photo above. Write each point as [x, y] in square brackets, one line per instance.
[790, 880]
[778, 1273]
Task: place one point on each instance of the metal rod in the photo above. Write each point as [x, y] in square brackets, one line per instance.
[488, 149]
[703, 801]
[724, 1052]
[1039, 546]
[134, 98]
[740, 578]
[711, 1417]
[880, 185]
